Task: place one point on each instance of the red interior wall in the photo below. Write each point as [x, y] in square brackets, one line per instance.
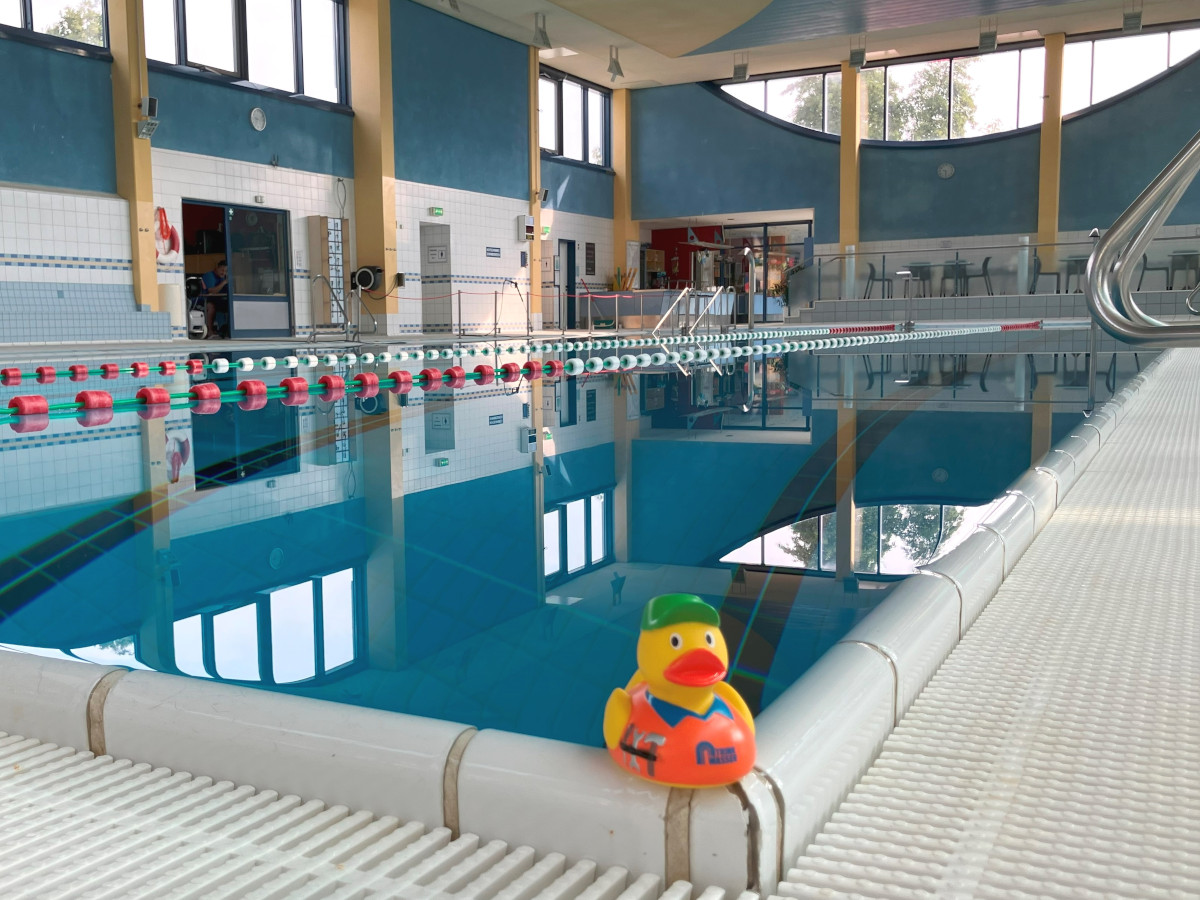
[200, 218]
[674, 244]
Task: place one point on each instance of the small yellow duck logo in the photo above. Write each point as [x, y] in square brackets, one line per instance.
[678, 722]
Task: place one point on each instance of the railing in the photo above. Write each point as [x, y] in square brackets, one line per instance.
[1109, 270]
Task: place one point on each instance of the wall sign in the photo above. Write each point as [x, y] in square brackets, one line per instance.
[497, 419]
[589, 259]
[493, 252]
[437, 253]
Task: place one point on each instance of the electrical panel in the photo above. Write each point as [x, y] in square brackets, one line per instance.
[528, 442]
[525, 228]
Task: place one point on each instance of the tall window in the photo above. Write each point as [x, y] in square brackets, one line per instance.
[970, 95]
[82, 21]
[573, 118]
[576, 536]
[295, 46]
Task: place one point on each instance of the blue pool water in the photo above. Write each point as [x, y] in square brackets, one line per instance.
[407, 553]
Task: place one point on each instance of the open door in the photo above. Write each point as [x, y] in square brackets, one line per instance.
[260, 285]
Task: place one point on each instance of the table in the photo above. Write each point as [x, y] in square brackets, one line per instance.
[1077, 266]
[1186, 261]
[957, 269]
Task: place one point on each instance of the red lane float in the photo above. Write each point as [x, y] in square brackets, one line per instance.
[46, 374]
[78, 373]
[510, 372]
[195, 366]
[456, 376]
[154, 410]
[532, 370]
[1021, 326]
[29, 405]
[154, 396]
[208, 398]
[94, 399]
[401, 382]
[109, 370]
[297, 391]
[10, 377]
[166, 367]
[486, 374]
[254, 395]
[859, 329]
[334, 387]
[556, 368]
[368, 384]
[28, 424]
[140, 369]
[431, 379]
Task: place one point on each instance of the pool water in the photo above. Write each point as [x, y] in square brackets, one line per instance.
[408, 552]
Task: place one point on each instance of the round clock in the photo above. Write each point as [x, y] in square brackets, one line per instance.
[258, 118]
[945, 170]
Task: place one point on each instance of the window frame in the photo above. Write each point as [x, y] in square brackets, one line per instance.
[26, 32]
[241, 53]
[556, 150]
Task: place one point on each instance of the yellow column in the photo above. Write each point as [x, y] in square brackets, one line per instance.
[852, 127]
[1050, 151]
[1043, 420]
[370, 33]
[134, 172]
[625, 229]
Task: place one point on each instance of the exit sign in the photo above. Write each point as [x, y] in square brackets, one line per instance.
[435, 210]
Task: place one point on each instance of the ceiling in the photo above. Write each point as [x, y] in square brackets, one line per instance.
[680, 41]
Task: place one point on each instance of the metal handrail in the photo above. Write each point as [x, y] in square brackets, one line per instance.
[346, 323]
[1111, 265]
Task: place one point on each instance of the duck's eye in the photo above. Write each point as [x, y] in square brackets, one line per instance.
[709, 639]
[676, 641]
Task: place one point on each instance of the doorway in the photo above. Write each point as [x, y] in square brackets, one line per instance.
[566, 256]
[254, 243]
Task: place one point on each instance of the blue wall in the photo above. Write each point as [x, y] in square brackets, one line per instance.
[213, 118]
[579, 472]
[697, 151]
[461, 582]
[461, 104]
[58, 119]
[993, 190]
[1111, 152]
[577, 188]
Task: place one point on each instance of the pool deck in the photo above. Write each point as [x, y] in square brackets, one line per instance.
[1056, 752]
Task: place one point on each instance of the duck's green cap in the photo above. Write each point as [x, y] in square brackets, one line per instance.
[671, 609]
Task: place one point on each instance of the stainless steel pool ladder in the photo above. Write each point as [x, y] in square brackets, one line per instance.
[347, 324]
[1114, 259]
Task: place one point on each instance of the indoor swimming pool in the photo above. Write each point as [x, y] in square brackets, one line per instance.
[481, 555]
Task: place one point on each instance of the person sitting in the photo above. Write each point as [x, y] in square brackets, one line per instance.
[216, 292]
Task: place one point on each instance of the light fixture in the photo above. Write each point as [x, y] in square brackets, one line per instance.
[987, 35]
[614, 63]
[540, 38]
[741, 66]
[1131, 21]
[858, 57]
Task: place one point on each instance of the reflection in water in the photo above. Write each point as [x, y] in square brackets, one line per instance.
[424, 561]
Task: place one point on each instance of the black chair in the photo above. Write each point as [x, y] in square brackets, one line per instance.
[982, 273]
[886, 290]
[1038, 273]
[1146, 267]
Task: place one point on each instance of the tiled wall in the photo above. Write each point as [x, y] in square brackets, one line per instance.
[65, 269]
[179, 176]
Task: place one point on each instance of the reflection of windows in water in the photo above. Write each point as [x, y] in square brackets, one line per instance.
[234, 445]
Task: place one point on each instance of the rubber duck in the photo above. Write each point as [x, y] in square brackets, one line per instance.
[677, 722]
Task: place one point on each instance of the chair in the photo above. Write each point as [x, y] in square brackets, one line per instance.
[886, 290]
[1038, 273]
[1146, 267]
[982, 273]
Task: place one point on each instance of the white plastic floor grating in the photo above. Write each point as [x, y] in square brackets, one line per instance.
[76, 826]
[1056, 752]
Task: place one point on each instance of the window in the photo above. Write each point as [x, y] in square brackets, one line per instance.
[576, 536]
[82, 21]
[573, 118]
[296, 46]
[970, 95]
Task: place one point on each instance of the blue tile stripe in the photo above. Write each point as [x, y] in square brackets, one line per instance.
[36, 440]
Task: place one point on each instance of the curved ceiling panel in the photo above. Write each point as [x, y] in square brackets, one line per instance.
[670, 27]
[786, 21]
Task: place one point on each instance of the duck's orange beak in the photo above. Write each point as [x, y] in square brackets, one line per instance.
[696, 668]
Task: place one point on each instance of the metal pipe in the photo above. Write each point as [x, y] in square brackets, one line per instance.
[749, 254]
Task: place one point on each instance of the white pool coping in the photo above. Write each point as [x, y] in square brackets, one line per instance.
[814, 742]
